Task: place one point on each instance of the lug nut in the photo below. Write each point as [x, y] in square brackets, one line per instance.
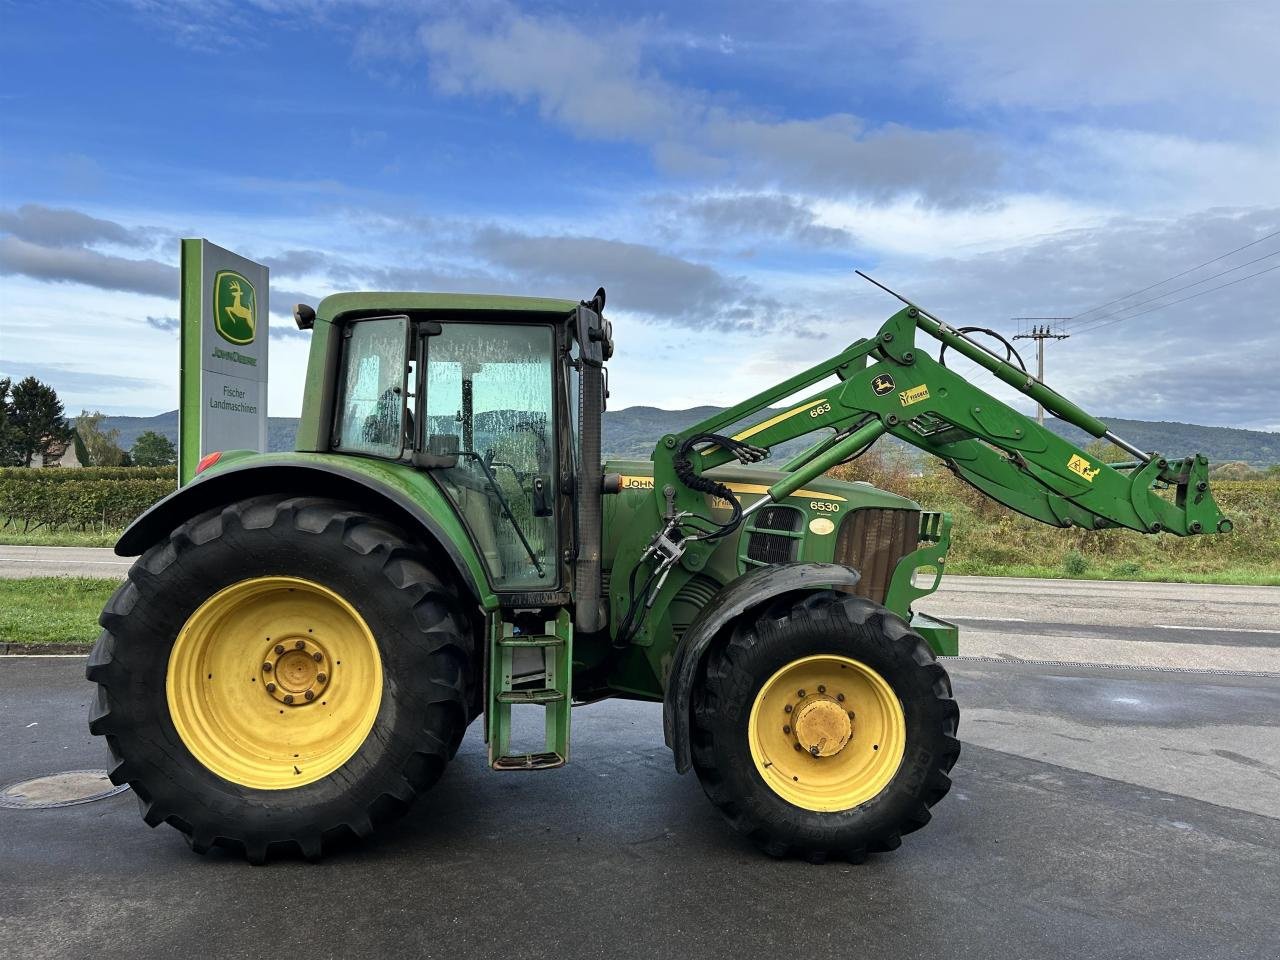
[786, 728]
[310, 695]
[300, 645]
[279, 649]
[814, 750]
[271, 688]
[787, 709]
[321, 677]
[288, 698]
[800, 693]
[840, 697]
[850, 714]
[317, 656]
[799, 748]
[266, 668]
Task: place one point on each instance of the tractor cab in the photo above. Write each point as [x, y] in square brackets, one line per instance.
[482, 393]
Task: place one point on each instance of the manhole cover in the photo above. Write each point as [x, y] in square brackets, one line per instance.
[59, 790]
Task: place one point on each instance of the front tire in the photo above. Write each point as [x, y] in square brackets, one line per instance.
[281, 673]
[825, 728]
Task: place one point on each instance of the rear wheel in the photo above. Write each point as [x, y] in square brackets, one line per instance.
[281, 673]
[825, 728]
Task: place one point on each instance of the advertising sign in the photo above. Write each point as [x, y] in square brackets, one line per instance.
[223, 369]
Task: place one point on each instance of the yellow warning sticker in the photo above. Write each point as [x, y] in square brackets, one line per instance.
[913, 395]
[1079, 465]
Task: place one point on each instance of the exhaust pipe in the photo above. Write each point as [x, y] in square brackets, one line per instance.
[595, 345]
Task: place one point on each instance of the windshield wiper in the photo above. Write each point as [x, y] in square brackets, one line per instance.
[506, 507]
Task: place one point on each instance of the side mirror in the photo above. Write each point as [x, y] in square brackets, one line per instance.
[541, 496]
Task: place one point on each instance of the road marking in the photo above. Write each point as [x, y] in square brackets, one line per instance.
[1171, 626]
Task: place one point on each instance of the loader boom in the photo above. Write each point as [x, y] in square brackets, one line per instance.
[887, 384]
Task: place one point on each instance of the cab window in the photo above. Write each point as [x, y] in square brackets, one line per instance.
[370, 413]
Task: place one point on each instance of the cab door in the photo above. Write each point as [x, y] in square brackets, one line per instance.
[490, 402]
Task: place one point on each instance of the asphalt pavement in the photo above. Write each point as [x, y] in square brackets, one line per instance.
[16, 562]
[1096, 812]
[1130, 810]
[1180, 625]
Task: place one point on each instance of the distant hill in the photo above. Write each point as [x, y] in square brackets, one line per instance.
[632, 432]
[280, 430]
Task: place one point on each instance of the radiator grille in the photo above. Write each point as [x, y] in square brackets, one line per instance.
[764, 547]
[872, 541]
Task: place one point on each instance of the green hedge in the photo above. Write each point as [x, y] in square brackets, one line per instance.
[80, 499]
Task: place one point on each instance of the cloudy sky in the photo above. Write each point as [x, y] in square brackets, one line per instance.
[720, 169]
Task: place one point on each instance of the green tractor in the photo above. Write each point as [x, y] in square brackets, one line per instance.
[305, 637]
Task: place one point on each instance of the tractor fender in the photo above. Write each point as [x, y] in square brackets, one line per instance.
[735, 599]
[314, 476]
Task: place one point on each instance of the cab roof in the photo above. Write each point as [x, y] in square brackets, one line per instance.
[374, 302]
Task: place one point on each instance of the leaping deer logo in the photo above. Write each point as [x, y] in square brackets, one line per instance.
[235, 308]
[882, 384]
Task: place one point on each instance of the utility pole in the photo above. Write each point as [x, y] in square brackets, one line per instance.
[1040, 333]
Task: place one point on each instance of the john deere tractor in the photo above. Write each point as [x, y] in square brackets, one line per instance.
[305, 637]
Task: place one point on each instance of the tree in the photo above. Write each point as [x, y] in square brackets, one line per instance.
[1107, 452]
[8, 437]
[152, 449]
[101, 445]
[35, 420]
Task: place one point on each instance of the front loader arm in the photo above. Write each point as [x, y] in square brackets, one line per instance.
[888, 385]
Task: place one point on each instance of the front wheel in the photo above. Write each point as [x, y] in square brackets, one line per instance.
[281, 673]
[825, 728]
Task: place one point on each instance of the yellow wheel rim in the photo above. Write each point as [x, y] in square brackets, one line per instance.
[274, 682]
[827, 733]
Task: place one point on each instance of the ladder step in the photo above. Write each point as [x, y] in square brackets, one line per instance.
[537, 641]
[531, 667]
[530, 696]
[529, 761]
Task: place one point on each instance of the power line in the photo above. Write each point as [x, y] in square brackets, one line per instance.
[1229, 283]
[1169, 293]
[1176, 275]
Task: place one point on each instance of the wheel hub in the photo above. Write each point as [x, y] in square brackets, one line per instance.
[822, 726]
[296, 671]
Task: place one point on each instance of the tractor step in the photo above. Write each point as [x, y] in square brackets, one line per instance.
[514, 682]
[537, 641]
[530, 696]
[529, 761]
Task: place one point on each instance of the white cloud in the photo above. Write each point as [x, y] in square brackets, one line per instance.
[595, 85]
[907, 227]
[1097, 54]
[1173, 172]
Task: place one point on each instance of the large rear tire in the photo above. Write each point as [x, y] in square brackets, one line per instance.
[281, 673]
[825, 728]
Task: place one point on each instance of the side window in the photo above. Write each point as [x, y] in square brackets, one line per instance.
[369, 415]
[490, 399]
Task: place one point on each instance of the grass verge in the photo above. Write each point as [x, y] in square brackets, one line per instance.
[52, 610]
[11, 535]
[1242, 576]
